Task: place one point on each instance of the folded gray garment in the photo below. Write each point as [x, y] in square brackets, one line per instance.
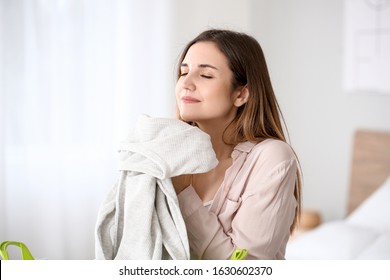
[140, 218]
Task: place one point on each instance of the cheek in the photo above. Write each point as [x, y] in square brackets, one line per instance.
[220, 95]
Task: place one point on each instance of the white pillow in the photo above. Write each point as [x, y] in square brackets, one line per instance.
[374, 212]
[335, 240]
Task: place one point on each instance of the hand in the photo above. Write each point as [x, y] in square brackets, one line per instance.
[181, 182]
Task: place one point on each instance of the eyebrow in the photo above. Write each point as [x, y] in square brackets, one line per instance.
[200, 66]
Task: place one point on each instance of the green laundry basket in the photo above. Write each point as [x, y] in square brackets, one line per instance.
[26, 255]
[239, 254]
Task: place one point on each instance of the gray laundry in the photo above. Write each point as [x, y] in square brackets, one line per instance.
[140, 218]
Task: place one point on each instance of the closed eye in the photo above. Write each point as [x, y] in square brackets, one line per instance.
[206, 76]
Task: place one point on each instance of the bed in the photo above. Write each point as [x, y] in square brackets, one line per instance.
[365, 232]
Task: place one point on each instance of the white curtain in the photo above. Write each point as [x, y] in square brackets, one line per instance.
[74, 77]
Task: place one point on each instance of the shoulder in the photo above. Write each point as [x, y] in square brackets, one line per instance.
[264, 166]
[271, 149]
[268, 156]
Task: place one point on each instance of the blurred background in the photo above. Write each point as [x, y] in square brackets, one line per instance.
[76, 74]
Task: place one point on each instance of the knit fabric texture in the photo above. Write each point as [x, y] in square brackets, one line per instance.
[140, 218]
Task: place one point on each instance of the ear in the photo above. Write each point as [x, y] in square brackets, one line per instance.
[242, 96]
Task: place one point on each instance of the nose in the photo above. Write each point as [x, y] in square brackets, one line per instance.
[188, 82]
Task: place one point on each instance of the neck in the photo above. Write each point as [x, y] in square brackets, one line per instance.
[221, 149]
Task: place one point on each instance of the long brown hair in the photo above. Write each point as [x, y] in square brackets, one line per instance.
[260, 117]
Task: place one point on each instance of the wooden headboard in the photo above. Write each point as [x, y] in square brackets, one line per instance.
[370, 165]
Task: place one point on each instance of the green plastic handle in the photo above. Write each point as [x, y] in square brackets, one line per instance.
[26, 255]
[239, 254]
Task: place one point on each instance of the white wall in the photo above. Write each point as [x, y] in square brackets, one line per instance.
[303, 44]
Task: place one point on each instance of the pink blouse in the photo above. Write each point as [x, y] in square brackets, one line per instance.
[253, 209]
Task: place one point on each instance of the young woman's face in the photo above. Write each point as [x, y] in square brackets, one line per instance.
[203, 91]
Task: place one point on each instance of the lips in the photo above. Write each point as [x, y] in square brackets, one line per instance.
[189, 99]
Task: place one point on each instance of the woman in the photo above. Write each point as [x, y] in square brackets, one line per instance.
[251, 200]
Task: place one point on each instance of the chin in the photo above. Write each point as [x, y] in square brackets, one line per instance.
[188, 117]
